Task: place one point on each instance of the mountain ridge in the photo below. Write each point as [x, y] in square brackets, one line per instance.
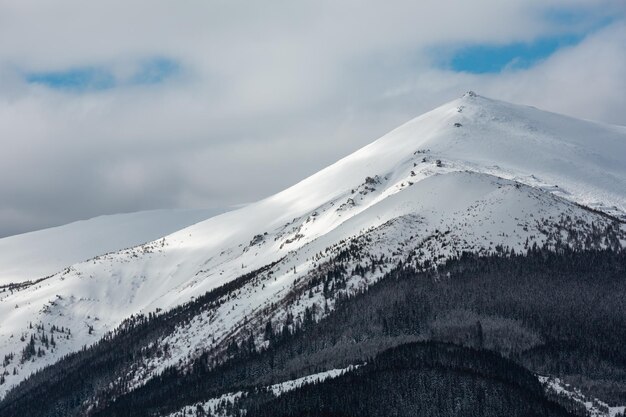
[40, 253]
[426, 191]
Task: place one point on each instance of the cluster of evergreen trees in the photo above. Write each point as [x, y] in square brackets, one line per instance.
[553, 312]
[417, 379]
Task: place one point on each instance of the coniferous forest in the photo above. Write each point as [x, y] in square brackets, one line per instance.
[466, 338]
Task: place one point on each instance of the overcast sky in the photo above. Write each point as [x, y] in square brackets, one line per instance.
[117, 106]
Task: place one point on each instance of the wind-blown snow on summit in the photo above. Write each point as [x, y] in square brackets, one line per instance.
[472, 175]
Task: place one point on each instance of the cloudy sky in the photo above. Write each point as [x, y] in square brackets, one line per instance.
[117, 106]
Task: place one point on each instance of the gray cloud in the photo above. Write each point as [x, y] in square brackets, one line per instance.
[265, 94]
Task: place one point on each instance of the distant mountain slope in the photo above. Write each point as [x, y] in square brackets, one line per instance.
[474, 175]
[37, 254]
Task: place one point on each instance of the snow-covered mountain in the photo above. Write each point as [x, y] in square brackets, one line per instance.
[473, 175]
[35, 255]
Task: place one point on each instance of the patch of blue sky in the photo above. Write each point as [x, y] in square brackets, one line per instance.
[571, 26]
[86, 78]
[149, 72]
[480, 59]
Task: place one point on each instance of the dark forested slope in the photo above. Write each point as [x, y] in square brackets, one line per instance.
[419, 379]
[556, 313]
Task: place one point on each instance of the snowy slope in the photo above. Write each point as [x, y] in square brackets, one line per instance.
[595, 407]
[37, 254]
[438, 217]
[473, 175]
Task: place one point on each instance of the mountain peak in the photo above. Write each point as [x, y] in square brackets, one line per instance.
[470, 94]
[586, 160]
